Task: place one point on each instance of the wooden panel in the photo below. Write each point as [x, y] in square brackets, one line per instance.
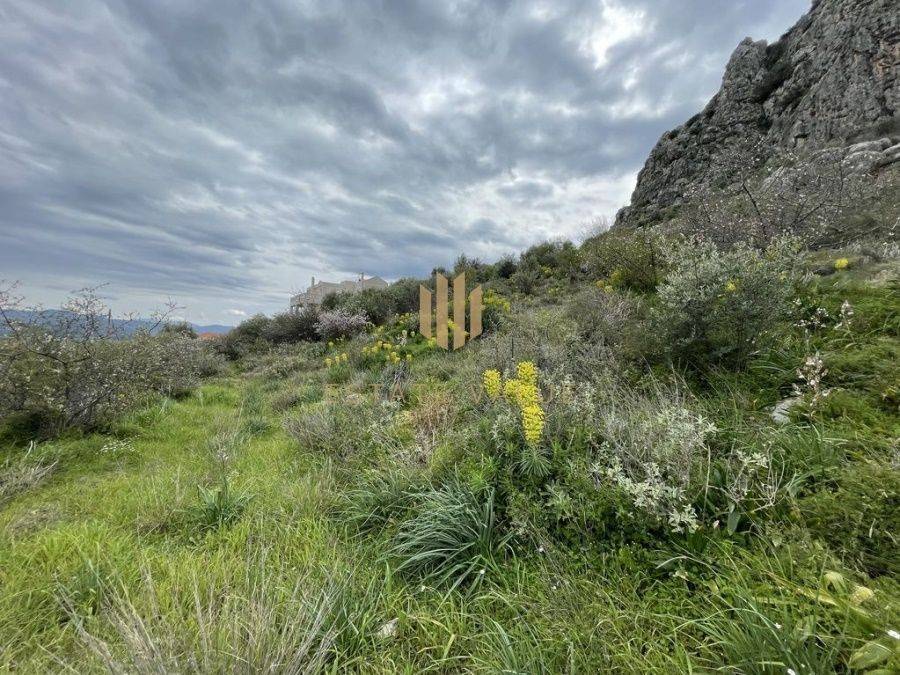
[440, 290]
[459, 311]
[475, 313]
[424, 311]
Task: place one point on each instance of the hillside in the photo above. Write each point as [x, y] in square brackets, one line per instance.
[554, 497]
[674, 448]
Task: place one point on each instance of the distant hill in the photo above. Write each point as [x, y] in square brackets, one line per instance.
[127, 326]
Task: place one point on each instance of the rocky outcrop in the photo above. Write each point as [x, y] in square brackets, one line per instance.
[831, 80]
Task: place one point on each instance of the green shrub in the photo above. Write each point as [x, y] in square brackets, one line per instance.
[69, 378]
[290, 327]
[719, 306]
[616, 320]
[627, 259]
[179, 329]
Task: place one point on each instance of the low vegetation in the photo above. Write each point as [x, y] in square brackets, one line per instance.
[665, 454]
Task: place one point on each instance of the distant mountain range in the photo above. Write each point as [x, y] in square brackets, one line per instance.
[127, 326]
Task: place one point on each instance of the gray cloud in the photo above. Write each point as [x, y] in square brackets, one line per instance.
[222, 152]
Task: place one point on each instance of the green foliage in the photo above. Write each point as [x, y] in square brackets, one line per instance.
[619, 321]
[452, 537]
[719, 306]
[252, 329]
[548, 261]
[256, 623]
[57, 382]
[85, 590]
[669, 510]
[757, 640]
[290, 327]
[337, 428]
[627, 259]
[858, 513]
[179, 329]
[19, 474]
[379, 499]
[219, 506]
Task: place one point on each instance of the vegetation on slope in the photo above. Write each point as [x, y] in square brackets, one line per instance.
[596, 484]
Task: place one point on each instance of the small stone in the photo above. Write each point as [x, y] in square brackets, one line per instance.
[388, 629]
[782, 409]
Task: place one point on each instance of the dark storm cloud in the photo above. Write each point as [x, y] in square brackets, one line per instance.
[224, 151]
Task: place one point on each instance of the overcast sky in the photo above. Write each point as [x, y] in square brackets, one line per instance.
[221, 152]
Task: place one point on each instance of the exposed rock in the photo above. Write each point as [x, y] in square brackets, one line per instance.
[831, 80]
[862, 161]
[869, 146]
[889, 156]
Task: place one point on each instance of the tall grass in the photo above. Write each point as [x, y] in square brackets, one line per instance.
[452, 537]
[266, 621]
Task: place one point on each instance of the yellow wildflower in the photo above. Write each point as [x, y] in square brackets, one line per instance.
[328, 362]
[492, 384]
[532, 423]
[527, 372]
[331, 343]
[409, 357]
[730, 287]
[527, 395]
[841, 264]
[344, 357]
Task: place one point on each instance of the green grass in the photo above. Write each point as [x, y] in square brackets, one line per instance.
[363, 529]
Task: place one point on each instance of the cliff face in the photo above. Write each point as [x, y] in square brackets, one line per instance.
[831, 80]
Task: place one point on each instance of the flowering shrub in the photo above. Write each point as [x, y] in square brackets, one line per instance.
[722, 305]
[76, 368]
[339, 323]
[810, 196]
[532, 423]
[526, 372]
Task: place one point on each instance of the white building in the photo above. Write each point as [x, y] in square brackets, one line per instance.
[318, 290]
